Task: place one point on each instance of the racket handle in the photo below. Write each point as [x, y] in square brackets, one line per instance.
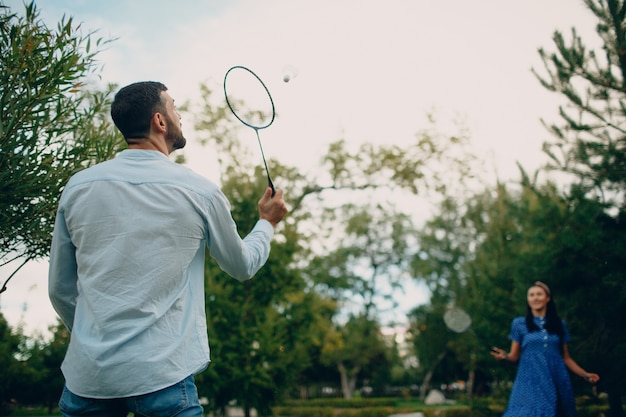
[271, 185]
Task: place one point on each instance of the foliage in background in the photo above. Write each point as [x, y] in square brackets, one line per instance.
[485, 251]
[30, 371]
[334, 249]
[569, 235]
[588, 241]
[9, 364]
[356, 348]
[590, 138]
[51, 125]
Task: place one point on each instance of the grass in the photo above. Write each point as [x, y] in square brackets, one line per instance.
[33, 412]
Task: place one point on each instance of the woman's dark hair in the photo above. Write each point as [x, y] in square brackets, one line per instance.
[134, 106]
[554, 324]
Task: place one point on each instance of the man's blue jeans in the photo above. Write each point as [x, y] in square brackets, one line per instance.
[180, 400]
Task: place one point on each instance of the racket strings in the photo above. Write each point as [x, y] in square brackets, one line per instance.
[457, 320]
[253, 118]
[250, 101]
[249, 98]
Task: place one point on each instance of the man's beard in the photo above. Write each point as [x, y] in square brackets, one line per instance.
[175, 136]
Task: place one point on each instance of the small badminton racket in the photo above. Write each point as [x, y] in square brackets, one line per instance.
[251, 102]
[457, 320]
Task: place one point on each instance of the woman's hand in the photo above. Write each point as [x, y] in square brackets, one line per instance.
[498, 353]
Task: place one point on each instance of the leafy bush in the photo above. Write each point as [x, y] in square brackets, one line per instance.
[288, 411]
[343, 403]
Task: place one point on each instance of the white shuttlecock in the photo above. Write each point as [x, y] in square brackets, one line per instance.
[289, 73]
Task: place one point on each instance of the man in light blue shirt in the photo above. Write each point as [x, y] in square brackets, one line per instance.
[127, 266]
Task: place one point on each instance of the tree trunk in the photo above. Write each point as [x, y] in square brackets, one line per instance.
[352, 383]
[470, 383]
[471, 377]
[348, 381]
[429, 375]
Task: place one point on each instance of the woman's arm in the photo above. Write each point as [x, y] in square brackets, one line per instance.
[575, 368]
[512, 356]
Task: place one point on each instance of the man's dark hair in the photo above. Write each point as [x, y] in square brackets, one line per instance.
[134, 106]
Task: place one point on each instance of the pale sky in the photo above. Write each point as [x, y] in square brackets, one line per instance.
[368, 71]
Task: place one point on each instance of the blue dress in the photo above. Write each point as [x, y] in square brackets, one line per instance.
[542, 387]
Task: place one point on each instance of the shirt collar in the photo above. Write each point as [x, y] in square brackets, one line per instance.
[141, 154]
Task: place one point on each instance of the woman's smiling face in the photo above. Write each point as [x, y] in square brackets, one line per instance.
[538, 300]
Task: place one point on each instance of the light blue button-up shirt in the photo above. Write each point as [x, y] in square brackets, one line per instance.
[127, 271]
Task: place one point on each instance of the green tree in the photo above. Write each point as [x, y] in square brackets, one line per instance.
[590, 145]
[507, 257]
[322, 237]
[362, 276]
[481, 254]
[447, 244]
[9, 364]
[260, 330]
[567, 240]
[353, 348]
[53, 355]
[370, 263]
[39, 381]
[368, 245]
[590, 139]
[567, 236]
[584, 247]
[429, 340]
[51, 125]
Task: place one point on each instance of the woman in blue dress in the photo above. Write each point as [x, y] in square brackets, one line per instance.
[542, 387]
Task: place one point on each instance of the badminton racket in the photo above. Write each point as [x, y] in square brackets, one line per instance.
[250, 101]
[457, 320]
